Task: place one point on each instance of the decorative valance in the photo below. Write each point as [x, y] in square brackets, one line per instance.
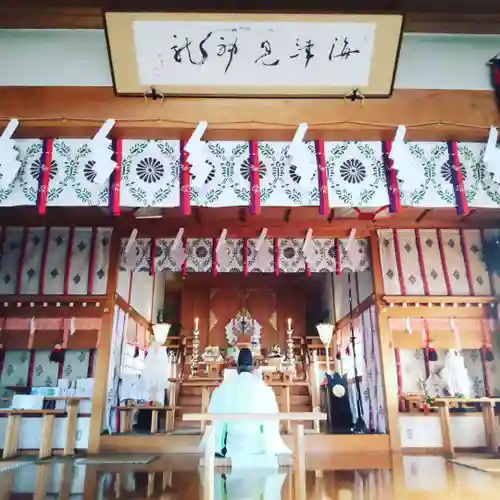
[282, 255]
[63, 172]
[54, 261]
[434, 262]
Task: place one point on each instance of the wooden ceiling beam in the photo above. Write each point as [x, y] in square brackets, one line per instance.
[447, 18]
[78, 112]
[251, 228]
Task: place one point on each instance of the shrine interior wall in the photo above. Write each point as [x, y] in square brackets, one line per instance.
[80, 58]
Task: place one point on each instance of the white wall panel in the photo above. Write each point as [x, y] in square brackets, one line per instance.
[80, 58]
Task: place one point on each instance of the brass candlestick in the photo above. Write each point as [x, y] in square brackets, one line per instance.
[196, 352]
[290, 354]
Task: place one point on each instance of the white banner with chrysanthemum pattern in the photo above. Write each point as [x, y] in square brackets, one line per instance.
[426, 177]
[481, 183]
[150, 175]
[356, 174]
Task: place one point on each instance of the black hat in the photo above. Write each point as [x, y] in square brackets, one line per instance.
[245, 357]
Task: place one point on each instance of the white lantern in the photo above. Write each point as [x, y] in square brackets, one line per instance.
[160, 331]
[325, 332]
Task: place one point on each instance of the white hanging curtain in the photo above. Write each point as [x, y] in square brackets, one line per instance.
[154, 377]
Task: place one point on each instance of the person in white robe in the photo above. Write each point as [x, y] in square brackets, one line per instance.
[246, 393]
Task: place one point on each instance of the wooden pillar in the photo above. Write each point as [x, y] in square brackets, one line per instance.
[209, 470]
[299, 462]
[490, 427]
[445, 420]
[205, 401]
[11, 442]
[387, 358]
[48, 427]
[69, 446]
[104, 350]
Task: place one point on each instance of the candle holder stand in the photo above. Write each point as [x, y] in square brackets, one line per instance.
[195, 358]
[289, 363]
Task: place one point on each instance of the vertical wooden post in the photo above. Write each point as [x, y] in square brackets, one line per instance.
[42, 476]
[151, 484]
[287, 404]
[154, 421]
[314, 385]
[48, 427]
[444, 414]
[205, 400]
[209, 472]
[299, 462]
[490, 426]
[11, 442]
[104, 350]
[387, 358]
[69, 446]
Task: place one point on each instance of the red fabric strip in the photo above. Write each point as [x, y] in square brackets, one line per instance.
[338, 256]
[185, 182]
[90, 371]
[422, 262]
[153, 296]
[460, 180]
[465, 251]
[93, 250]
[486, 344]
[118, 176]
[399, 264]
[31, 368]
[324, 202]
[254, 178]
[3, 229]
[427, 347]
[308, 270]
[277, 256]
[60, 373]
[22, 258]
[443, 260]
[69, 253]
[245, 256]
[392, 178]
[45, 254]
[48, 147]
[214, 256]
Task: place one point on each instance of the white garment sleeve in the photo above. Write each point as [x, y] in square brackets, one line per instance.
[273, 441]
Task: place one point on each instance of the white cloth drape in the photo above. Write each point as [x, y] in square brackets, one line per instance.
[455, 375]
[155, 374]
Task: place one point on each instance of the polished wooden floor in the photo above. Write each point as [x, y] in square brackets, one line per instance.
[347, 477]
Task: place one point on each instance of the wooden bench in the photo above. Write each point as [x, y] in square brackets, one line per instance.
[126, 416]
[489, 420]
[11, 442]
[299, 461]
